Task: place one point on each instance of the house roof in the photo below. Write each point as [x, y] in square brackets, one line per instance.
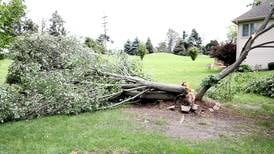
[255, 13]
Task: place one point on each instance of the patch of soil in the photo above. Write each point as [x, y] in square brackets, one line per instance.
[206, 125]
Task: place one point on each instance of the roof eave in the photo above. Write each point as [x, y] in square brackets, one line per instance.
[249, 20]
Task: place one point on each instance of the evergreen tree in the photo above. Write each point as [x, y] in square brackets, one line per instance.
[194, 39]
[127, 47]
[180, 48]
[134, 47]
[149, 46]
[57, 25]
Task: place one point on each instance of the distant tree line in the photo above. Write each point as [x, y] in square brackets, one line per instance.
[139, 48]
[180, 45]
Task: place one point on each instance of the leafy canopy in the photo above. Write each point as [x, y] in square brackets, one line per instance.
[10, 15]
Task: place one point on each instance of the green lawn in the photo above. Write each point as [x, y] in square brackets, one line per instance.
[177, 69]
[117, 131]
[4, 64]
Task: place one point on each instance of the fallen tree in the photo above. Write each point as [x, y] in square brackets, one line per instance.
[58, 75]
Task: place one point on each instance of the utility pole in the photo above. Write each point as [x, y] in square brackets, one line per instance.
[105, 31]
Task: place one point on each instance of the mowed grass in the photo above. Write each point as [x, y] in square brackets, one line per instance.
[105, 131]
[177, 69]
[117, 131]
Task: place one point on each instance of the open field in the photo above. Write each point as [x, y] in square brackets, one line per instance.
[117, 130]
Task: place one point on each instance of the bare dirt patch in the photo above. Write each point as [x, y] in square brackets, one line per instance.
[192, 126]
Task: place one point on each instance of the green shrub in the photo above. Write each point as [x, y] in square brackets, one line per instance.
[193, 53]
[142, 50]
[230, 86]
[224, 52]
[271, 66]
[58, 75]
[244, 68]
[263, 86]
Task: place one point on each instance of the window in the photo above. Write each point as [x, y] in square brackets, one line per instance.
[245, 29]
[248, 29]
[252, 28]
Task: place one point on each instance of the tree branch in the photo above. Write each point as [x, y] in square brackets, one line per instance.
[124, 101]
[262, 45]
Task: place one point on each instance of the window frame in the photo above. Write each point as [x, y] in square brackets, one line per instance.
[245, 32]
[251, 29]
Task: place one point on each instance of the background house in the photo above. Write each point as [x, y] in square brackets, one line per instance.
[247, 25]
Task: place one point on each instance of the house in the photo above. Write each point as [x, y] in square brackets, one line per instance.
[247, 25]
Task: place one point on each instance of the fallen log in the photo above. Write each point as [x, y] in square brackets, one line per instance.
[135, 88]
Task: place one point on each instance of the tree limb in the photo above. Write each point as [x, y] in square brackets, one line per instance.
[124, 101]
[262, 45]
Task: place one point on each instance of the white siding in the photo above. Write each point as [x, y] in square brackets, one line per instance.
[259, 56]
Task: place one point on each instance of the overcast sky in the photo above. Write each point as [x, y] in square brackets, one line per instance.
[142, 18]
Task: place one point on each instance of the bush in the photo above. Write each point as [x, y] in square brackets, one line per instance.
[271, 66]
[225, 53]
[244, 68]
[263, 86]
[142, 50]
[230, 86]
[58, 75]
[193, 53]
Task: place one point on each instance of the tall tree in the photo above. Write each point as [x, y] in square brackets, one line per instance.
[180, 48]
[149, 46]
[182, 45]
[232, 33]
[210, 45]
[94, 45]
[172, 38]
[10, 15]
[135, 46]
[194, 39]
[26, 25]
[162, 47]
[127, 47]
[56, 27]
